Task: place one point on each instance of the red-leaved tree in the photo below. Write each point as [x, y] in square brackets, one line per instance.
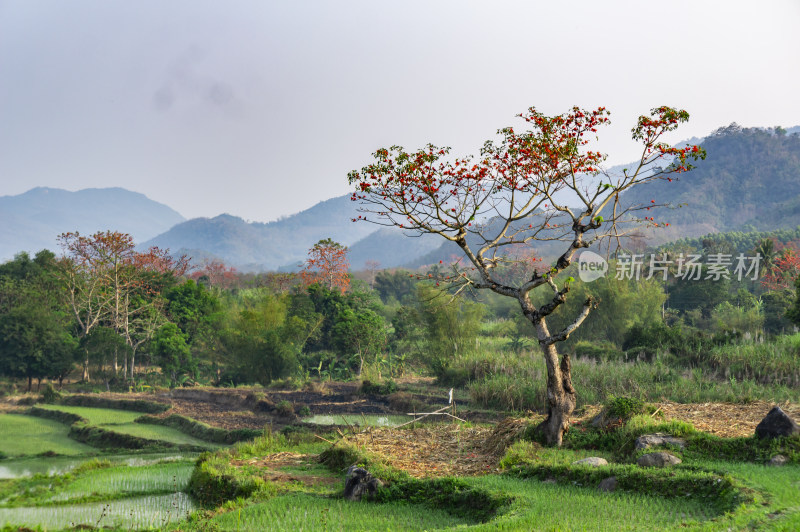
[783, 271]
[523, 189]
[327, 264]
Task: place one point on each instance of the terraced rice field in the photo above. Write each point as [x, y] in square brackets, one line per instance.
[22, 435]
[122, 421]
[154, 511]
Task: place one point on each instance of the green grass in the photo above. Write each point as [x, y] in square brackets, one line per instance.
[544, 506]
[27, 435]
[147, 512]
[498, 380]
[97, 416]
[122, 481]
[158, 432]
[780, 486]
[122, 421]
[299, 511]
[776, 361]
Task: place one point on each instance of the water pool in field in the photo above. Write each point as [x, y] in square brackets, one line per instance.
[136, 512]
[361, 420]
[57, 465]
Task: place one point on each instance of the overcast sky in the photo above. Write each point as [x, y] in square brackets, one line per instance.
[259, 109]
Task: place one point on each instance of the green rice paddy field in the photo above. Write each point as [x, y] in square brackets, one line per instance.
[88, 488]
[122, 421]
[27, 435]
[52, 482]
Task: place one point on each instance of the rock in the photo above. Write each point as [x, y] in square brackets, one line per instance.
[658, 439]
[608, 484]
[778, 460]
[657, 460]
[359, 483]
[593, 461]
[776, 424]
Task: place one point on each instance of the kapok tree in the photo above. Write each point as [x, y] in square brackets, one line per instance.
[783, 271]
[327, 264]
[539, 184]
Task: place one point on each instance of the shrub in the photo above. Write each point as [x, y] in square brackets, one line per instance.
[284, 408]
[387, 387]
[599, 351]
[624, 407]
[49, 394]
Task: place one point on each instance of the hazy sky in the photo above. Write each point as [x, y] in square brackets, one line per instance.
[259, 109]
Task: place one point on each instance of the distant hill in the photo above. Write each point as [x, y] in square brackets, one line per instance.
[391, 248]
[32, 221]
[267, 246]
[750, 181]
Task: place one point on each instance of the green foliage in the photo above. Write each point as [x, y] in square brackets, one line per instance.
[776, 308]
[451, 325]
[34, 339]
[793, 312]
[599, 351]
[625, 407]
[49, 394]
[284, 408]
[261, 340]
[700, 445]
[396, 286]
[373, 388]
[172, 352]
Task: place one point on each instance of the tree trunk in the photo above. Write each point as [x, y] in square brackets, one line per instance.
[86, 366]
[133, 363]
[560, 392]
[30, 384]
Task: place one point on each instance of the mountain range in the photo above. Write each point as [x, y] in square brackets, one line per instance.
[32, 221]
[749, 181]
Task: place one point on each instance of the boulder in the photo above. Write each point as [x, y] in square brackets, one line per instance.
[657, 460]
[658, 439]
[608, 484]
[594, 461]
[776, 424]
[778, 460]
[360, 483]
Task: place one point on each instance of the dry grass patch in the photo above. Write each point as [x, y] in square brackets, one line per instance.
[727, 420]
[437, 451]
